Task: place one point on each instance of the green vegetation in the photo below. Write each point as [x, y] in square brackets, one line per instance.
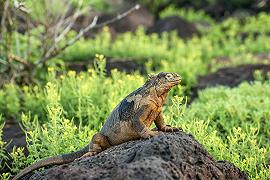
[235, 129]
[3, 155]
[170, 53]
[63, 108]
[9, 100]
[190, 15]
[246, 106]
[232, 124]
[83, 96]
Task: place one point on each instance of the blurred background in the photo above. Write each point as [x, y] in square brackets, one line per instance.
[161, 35]
[65, 64]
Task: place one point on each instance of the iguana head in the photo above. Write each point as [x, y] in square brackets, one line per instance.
[163, 81]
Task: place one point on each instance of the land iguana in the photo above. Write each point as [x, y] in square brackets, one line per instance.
[130, 119]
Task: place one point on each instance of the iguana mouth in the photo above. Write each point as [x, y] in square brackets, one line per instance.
[176, 81]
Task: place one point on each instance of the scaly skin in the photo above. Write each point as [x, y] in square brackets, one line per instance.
[131, 119]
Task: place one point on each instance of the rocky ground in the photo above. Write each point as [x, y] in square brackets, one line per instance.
[167, 156]
[230, 76]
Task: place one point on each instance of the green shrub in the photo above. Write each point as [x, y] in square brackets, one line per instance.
[58, 134]
[259, 23]
[3, 155]
[246, 106]
[34, 100]
[2, 144]
[84, 96]
[9, 100]
[188, 14]
[170, 53]
[232, 124]
[250, 24]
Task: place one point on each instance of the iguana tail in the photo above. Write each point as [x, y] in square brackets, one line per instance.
[60, 159]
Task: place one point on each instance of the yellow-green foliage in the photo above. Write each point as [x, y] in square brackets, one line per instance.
[250, 24]
[58, 134]
[170, 53]
[188, 14]
[236, 130]
[2, 145]
[90, 96]
[33, 100]
[232, 124]
[83, 96]
[9, 100]
[3, 155]
[86, 98]
[246, 106]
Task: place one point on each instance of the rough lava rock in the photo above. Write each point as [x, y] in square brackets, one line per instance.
[229, 76]
[141, 17]
[121, 64]
[167, 156]
[232, 76]
[183, 28]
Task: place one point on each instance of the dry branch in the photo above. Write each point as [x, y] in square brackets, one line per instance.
[18, 59]
[53, 51]
[4, 14]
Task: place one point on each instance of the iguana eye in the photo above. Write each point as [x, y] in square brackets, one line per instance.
[169, 76]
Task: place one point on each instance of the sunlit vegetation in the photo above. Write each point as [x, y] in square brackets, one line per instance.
[61, 111]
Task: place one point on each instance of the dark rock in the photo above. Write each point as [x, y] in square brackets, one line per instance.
[123, 65]
[230, 171]
[229, 76]
[13, 134]
[263, 56]
[216, 10]
[168, 156]
[78, 66]
[258, 59]
[141, 17]
[184, 28]
[15, 137]
[127, 66]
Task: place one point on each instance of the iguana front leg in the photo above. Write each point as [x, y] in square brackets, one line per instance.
[160, 123]
[137, 122]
